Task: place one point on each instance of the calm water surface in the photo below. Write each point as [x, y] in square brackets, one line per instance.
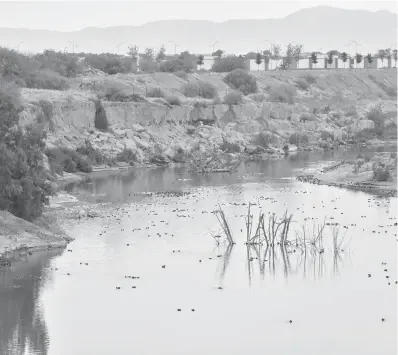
[334, 306]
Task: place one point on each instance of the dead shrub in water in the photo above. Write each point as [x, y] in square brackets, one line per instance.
[283, 93]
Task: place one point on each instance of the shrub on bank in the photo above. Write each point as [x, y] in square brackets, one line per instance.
[298, 138]
[126, 156]
[199, 89]
[228, 64]
[173, 100]
[242, 81]
[262, 139]
[68, 160]
[100, 119]
[23, 184]
[302, 84]
[155, 92]
[283, 93]
[233, 98]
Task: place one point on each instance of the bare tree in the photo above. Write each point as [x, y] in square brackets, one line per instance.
[297, 54]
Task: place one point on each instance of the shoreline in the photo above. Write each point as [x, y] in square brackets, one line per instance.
[360, 175]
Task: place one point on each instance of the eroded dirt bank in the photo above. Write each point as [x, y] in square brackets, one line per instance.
[375, 174]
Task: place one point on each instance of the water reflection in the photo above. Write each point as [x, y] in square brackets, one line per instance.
[22, 325]
[122, 185]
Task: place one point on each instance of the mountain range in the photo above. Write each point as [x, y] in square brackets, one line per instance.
[317, 28]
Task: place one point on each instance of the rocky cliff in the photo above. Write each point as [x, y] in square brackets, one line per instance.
[333, 102]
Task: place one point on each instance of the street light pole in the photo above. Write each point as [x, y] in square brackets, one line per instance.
[212, 45]
[118, 46]
[73, 46]
[271, 48]
[175, 47]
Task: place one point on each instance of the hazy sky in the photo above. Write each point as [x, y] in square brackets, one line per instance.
[74, 15]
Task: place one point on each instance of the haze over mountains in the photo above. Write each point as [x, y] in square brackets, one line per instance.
[317, 28]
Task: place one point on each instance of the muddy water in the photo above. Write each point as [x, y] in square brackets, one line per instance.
[243, 298]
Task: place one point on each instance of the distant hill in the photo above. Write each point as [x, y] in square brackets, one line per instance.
[317, 27]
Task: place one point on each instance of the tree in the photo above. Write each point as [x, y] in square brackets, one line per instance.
[382, 55]
[133, 52]
[161, 54]
[149, 53]
[297, 54]
[200, 60]
[388, 54]
[23, 186]
[314, 58]
[218, 53]
[251, 55]
[358, 58]
[330, 58]
[289, 53]
[259, 60]
[394, 54]
[344, 57]
[276, 49]
[369, 58]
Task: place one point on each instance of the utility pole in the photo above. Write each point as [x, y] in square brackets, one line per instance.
[17, 46]
[118, 46]
[73, 46]
[212, 46]
[175, 47]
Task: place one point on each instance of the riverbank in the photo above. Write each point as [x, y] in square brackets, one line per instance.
[375, 174]
[42, 234]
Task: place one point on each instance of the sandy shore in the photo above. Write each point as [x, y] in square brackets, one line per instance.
[345, 175]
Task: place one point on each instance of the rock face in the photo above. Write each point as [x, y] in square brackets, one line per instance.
[140, 126]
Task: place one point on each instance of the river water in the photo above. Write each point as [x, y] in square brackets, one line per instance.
[233, 299]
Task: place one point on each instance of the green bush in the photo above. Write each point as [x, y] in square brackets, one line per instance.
[233, 98]
[181, 74]
[298, 138]
[230, 147]
[258, 97]
[283, 93]
[262, 139]
[173, 100]
[93, 155]
[302, 84]
[310, 79]
[240, 80]
[46, 79]
[380, 172]
[176, 65]
[127, 156]
[377, 116]
[199, 88]
[107, 62]
[155, 92]
[69, 160]
[228, 64]
[100, 119]
[23, 183]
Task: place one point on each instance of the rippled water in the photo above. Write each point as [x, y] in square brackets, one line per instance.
[334, 306]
